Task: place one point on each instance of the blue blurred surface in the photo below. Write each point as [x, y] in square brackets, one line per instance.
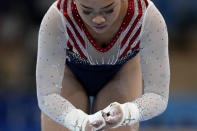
[19, 112]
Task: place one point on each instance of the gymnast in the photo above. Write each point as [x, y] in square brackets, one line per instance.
[101, 65]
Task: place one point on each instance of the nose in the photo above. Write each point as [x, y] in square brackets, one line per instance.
[98, 20]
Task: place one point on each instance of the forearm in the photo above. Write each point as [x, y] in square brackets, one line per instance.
[129, 113]
[155, 66]
[50, 67]
[65, 114]
[55, 106]
[150, 105]
[154, 60]
[146, 107]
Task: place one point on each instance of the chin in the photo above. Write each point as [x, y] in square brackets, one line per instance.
[100, 30]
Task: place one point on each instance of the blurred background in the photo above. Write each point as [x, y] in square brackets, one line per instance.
[19, 25]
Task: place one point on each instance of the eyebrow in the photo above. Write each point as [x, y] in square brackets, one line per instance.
[100, 8]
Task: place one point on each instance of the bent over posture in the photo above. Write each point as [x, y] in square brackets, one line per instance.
[115, 51]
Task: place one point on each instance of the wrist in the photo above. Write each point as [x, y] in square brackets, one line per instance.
[76, 120]
[131, 113]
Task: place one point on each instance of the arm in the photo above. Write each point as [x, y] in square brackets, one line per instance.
[50, 67]
[50, 72]
[155, 68]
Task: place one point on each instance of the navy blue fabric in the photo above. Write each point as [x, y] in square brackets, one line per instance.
[93, 77]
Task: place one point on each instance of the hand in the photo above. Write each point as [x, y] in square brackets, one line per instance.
[110, 117]
[113, 115]
[77, 120]
[97, 120]
[117, 114]
[89, 127]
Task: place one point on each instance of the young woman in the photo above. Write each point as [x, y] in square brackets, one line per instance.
[114, 51]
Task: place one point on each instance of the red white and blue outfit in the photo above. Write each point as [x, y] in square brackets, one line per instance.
[95, 66]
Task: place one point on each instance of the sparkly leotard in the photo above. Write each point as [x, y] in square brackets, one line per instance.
[63, 37]
[95, 66]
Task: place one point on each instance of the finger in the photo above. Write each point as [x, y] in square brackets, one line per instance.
[97, 123]
[89, 127]
[109, 119]
[113, 112]
[104, 128]
[114, 119]
[97, 120]
[110, 115]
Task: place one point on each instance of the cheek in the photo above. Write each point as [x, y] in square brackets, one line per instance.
[85, 18]
[112, 17]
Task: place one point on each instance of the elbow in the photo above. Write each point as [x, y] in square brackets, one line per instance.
[164, 106]
[162, 103]
[40, 104]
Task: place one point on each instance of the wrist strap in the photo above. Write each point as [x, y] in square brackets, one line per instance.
[76, 120]
[131, 113]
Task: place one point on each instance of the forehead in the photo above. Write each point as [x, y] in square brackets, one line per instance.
[96, 3]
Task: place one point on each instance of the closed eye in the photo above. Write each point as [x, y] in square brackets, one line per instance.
[86, 12]
[109, 11]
